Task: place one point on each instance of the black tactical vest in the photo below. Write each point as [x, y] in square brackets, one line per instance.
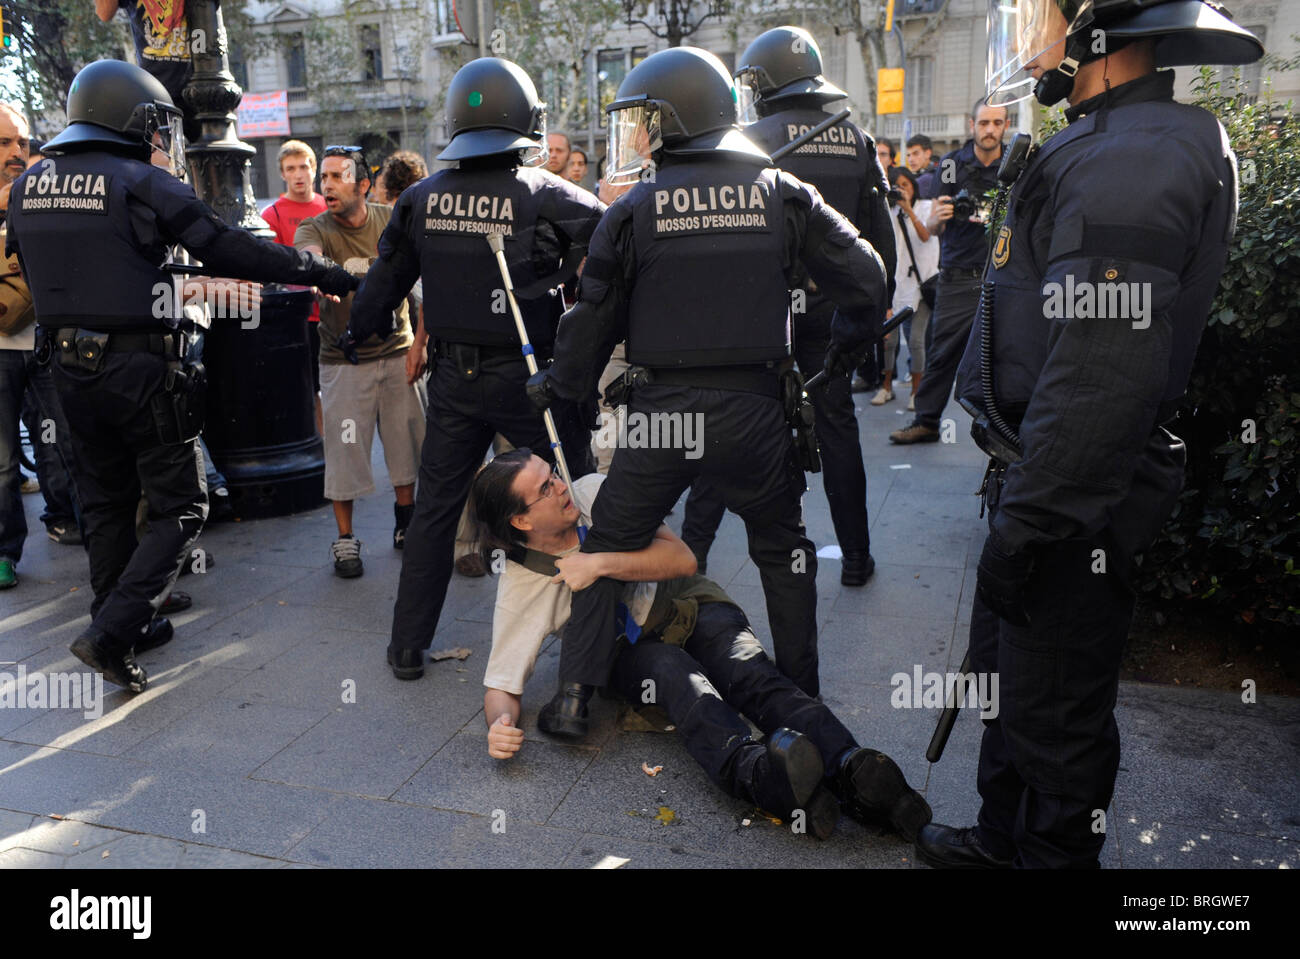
[454, 210]
[90, 258]
[710, 287]
[837, 161]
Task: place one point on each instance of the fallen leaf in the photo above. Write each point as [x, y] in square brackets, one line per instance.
[666, 815]
[651, 770]
[283, 603]
[460, 652]
[55, 815]
[76, 842]
[73, 589]
[104, 855]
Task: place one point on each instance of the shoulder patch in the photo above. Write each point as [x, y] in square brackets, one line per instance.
[1002, 248]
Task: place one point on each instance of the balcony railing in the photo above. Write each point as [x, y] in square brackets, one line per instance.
[937, 126]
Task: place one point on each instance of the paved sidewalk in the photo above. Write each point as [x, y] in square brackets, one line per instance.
[245, 751]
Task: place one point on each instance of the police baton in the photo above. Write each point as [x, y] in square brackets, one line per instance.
[497, 242]
[949, 715]
[816, 131]
[894, 322]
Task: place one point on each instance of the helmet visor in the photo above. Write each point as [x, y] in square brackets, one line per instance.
[634, 136]
[1021, 31]
[536, 155]
[169, 146]
[747, 96]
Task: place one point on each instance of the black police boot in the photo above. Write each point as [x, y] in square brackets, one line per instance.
[566, 714]
[857, 567]
[101, 652]
[874, 790]
[407, 663]
[159, 632]
[944, 847]
[402, 517]
[784, 776]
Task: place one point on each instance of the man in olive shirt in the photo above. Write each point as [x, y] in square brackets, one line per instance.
[355, 398]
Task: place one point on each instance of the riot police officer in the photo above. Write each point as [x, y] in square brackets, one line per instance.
[780, 74]
[497, 130]
[692, 267]
[92, 225]
[1099, 286]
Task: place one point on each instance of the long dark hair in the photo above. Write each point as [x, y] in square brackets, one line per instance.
[494, 502]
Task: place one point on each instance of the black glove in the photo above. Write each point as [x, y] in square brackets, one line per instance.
[840, 361]
[1001, 580]
[338, 282]
[540, 391]
[347, 343]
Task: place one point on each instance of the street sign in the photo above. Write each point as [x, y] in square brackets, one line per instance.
[467, 20]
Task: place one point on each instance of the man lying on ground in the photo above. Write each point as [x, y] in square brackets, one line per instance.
[696, 657]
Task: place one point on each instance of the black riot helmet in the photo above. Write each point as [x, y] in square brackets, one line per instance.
[112, 103]
[492, 108]
[1186, 32]
[783, 62]
[681, 101]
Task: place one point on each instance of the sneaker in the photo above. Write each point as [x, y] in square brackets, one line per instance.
[30, 484]
[911, 402]
[916, 433]
[402, 515]
[98, 650]
[64, 532]
[8, 573]
[347, 556]
[882, 397]
[176, 602]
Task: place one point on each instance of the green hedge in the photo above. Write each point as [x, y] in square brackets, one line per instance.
[1230, 548]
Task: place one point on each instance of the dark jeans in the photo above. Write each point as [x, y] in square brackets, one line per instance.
[748, 456]
[705, 686]
[51, 446]
[21, 377]
[1048, 760]
[117, 456]
[836, 424]
[954, 313]
[463, 417]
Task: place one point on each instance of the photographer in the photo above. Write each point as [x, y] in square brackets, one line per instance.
[918, 260]
[959, 218]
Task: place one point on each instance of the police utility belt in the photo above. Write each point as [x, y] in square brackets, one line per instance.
[781, 382]
[178, 409]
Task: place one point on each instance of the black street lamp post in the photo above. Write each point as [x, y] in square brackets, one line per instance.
[261, 426]
[675, 19]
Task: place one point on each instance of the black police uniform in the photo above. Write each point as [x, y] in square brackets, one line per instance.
[92, 230]
[476, 387]
[841, 162]
[963, 247]
[692, 270]
[1098, 474]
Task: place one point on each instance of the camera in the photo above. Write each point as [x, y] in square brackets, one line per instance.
[963, 205]
[894, 195]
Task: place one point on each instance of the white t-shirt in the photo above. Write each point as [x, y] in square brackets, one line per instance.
[529, 607]
[907, 291]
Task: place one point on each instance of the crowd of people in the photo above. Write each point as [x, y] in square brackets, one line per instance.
[699, 283]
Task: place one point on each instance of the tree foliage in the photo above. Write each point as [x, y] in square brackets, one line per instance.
[1232, 545]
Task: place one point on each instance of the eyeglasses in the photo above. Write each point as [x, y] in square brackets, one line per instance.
[548, 488]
